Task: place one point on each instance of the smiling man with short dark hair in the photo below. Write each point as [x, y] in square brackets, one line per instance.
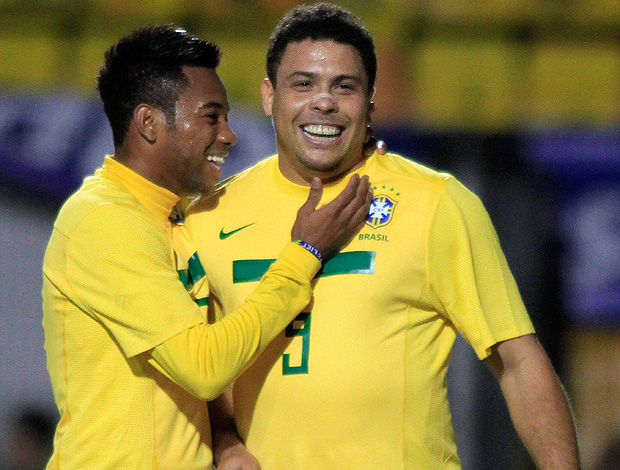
[130, 352]
[358, 379]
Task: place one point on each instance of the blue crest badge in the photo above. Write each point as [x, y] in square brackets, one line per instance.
[381, 211]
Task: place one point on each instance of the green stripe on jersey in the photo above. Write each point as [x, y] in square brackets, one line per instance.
[248, 270]
[184, 276]
[351, 262]
[195, 268]
[194, 272]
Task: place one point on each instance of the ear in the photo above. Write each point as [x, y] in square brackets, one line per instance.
[267, 92]
[371, 105]
[146, 119]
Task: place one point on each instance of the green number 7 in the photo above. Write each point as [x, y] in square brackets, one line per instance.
[292, 330]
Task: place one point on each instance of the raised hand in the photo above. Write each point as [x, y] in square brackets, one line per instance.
[332, 226]
[237, 458]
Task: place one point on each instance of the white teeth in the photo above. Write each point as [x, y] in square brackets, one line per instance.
[215, 158]
[322, 130]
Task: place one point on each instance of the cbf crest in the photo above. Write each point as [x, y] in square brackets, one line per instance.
[381, 211]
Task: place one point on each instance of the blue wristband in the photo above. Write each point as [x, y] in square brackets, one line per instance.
[311, 249]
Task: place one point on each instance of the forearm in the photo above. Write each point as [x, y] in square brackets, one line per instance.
[229, 452]
[539, 408]
[223, 430]
[206, 358]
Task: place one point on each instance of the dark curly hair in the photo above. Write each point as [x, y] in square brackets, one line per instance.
[146, 67]
[321, 21]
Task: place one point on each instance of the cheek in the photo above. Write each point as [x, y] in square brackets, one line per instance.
[201, 141]
[288, 108]
[281, 122]
[359, 112]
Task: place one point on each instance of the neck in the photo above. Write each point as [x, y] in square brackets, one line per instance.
[142, 164]
[303, 175]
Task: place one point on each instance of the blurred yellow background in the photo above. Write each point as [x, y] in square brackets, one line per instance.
[443, 64]
[466, 83]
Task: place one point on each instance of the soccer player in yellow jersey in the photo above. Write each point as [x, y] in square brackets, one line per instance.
[357, 380]
[130, 352]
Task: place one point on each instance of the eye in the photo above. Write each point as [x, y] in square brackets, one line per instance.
[345, 87]
[302, 85]
[212, 117]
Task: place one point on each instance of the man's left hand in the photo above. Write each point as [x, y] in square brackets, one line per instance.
[237, 458]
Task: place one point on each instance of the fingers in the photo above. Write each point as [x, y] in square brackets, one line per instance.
[357, 209]
[329, 228]
[347, 195]
[362, 212]
[352, 197]
[363, 191]
[360, 217]
[314, 197]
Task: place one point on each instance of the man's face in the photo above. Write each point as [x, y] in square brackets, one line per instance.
[200, 139]
[321, 108]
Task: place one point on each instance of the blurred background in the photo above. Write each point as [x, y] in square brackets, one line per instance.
[520, 99]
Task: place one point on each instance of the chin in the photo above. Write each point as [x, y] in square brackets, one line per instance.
[199, 189]
[320, 163]
[208, 191]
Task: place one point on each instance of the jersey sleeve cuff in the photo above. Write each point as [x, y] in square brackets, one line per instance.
[301, 259]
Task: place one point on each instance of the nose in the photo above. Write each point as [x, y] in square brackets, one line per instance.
[325, 103]
[226, 135]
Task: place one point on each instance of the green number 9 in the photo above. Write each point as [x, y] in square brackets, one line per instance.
[304, 331]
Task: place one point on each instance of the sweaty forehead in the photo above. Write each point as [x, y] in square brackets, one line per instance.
[205, 88]
[321, 57]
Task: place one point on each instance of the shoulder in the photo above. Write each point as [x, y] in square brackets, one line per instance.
[459, 205]
[424, 184]
[405, 168]
[240, 186]
[252, 174]
[411, 179]
[101, 203]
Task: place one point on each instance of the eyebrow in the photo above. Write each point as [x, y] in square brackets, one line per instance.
[338, 78]
[212, 104]
[303, 74]
[348, 77]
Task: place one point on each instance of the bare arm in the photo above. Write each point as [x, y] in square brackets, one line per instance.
[536, 401]
[229, 452]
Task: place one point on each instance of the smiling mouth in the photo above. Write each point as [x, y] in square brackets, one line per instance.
[216, 159]
[322, 130]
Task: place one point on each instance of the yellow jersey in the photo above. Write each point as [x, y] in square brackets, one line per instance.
[358, 380]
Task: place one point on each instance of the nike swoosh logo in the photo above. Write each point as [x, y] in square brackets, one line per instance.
[224, 235]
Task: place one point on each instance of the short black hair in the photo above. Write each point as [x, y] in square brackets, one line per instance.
[146, 67]
[321, 21]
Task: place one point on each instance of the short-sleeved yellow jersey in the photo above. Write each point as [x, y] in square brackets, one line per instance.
[359, 379]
